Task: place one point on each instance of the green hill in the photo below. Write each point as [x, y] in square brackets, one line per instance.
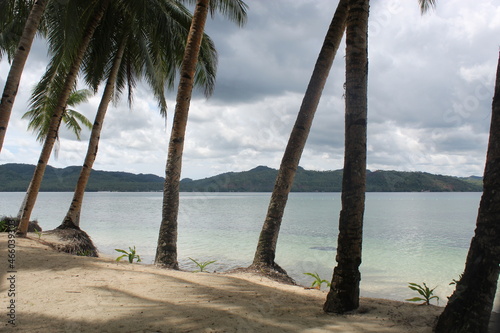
[16, 177]
[261, 179]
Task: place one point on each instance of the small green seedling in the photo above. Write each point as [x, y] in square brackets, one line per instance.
[318, 281]
[427, 293]
[39, 233]
[131, 255]
[202, 265]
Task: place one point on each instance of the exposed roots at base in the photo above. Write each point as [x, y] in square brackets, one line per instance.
[168, 266]
[273, 272]
[13, 222]
[72, 241]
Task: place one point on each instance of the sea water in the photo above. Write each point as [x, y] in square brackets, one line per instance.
[407, 237]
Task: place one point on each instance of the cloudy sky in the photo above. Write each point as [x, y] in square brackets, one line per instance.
[431, 83]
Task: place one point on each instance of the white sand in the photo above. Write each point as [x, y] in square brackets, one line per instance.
[57, 292]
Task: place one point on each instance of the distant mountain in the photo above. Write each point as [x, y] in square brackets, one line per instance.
[261, 179]
[16, 177]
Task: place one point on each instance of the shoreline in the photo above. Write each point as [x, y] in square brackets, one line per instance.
[58, 292]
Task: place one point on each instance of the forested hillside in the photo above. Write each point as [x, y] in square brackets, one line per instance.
[16, 177]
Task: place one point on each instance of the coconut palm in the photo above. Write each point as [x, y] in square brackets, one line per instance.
[166, 252]
[40, 115]
[344, 291]
[19, 59]
[142, 50]
[266, 247]
[469, 307]
[75, 59]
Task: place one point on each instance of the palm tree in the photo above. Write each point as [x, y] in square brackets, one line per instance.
[40, 115]
[17, 66]
[344, 291]
[166, 252]
[266, 247]
[469, 307]
[69, 82]
[142, 50]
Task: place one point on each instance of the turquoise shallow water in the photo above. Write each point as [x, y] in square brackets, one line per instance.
[408, 237]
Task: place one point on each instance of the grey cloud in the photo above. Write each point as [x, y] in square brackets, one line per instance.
[430, 90]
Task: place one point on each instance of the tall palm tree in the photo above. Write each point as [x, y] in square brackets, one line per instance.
[166, 252]
[344, 292]
[266, 247]
[17, 66]
[141, 50]
[69, 82]
[469, 307]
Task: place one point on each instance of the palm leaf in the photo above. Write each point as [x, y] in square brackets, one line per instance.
[426, 5]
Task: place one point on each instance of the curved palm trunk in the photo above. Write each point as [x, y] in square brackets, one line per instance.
[17, 67]
[166, 251]
[72, 218]
[36, 181]
[344, 292]
[266, 247]
[469, 308]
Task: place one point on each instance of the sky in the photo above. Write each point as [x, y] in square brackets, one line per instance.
[431, 81]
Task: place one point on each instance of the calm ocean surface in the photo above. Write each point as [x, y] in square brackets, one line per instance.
[408, 237]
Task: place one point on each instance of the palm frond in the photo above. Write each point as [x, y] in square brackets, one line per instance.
[13, 17]
[43, 102]
[79, 96]
[234, 10]
[426, 5]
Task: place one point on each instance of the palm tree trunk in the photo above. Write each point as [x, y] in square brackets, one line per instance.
[72, 218]
[266, 248]
[469, 308]
[166, 252]
[17, 67]
[344, 292]
[36, 181]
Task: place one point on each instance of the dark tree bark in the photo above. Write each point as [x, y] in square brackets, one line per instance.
[344, 292]
[48, 145]
[469, 308]
[72, 218]
[166, 251]
[266, 247]
[17, 67]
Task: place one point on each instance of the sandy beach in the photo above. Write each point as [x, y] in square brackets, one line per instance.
[58, 292]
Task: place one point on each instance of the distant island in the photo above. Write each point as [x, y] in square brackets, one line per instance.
[16, 177]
